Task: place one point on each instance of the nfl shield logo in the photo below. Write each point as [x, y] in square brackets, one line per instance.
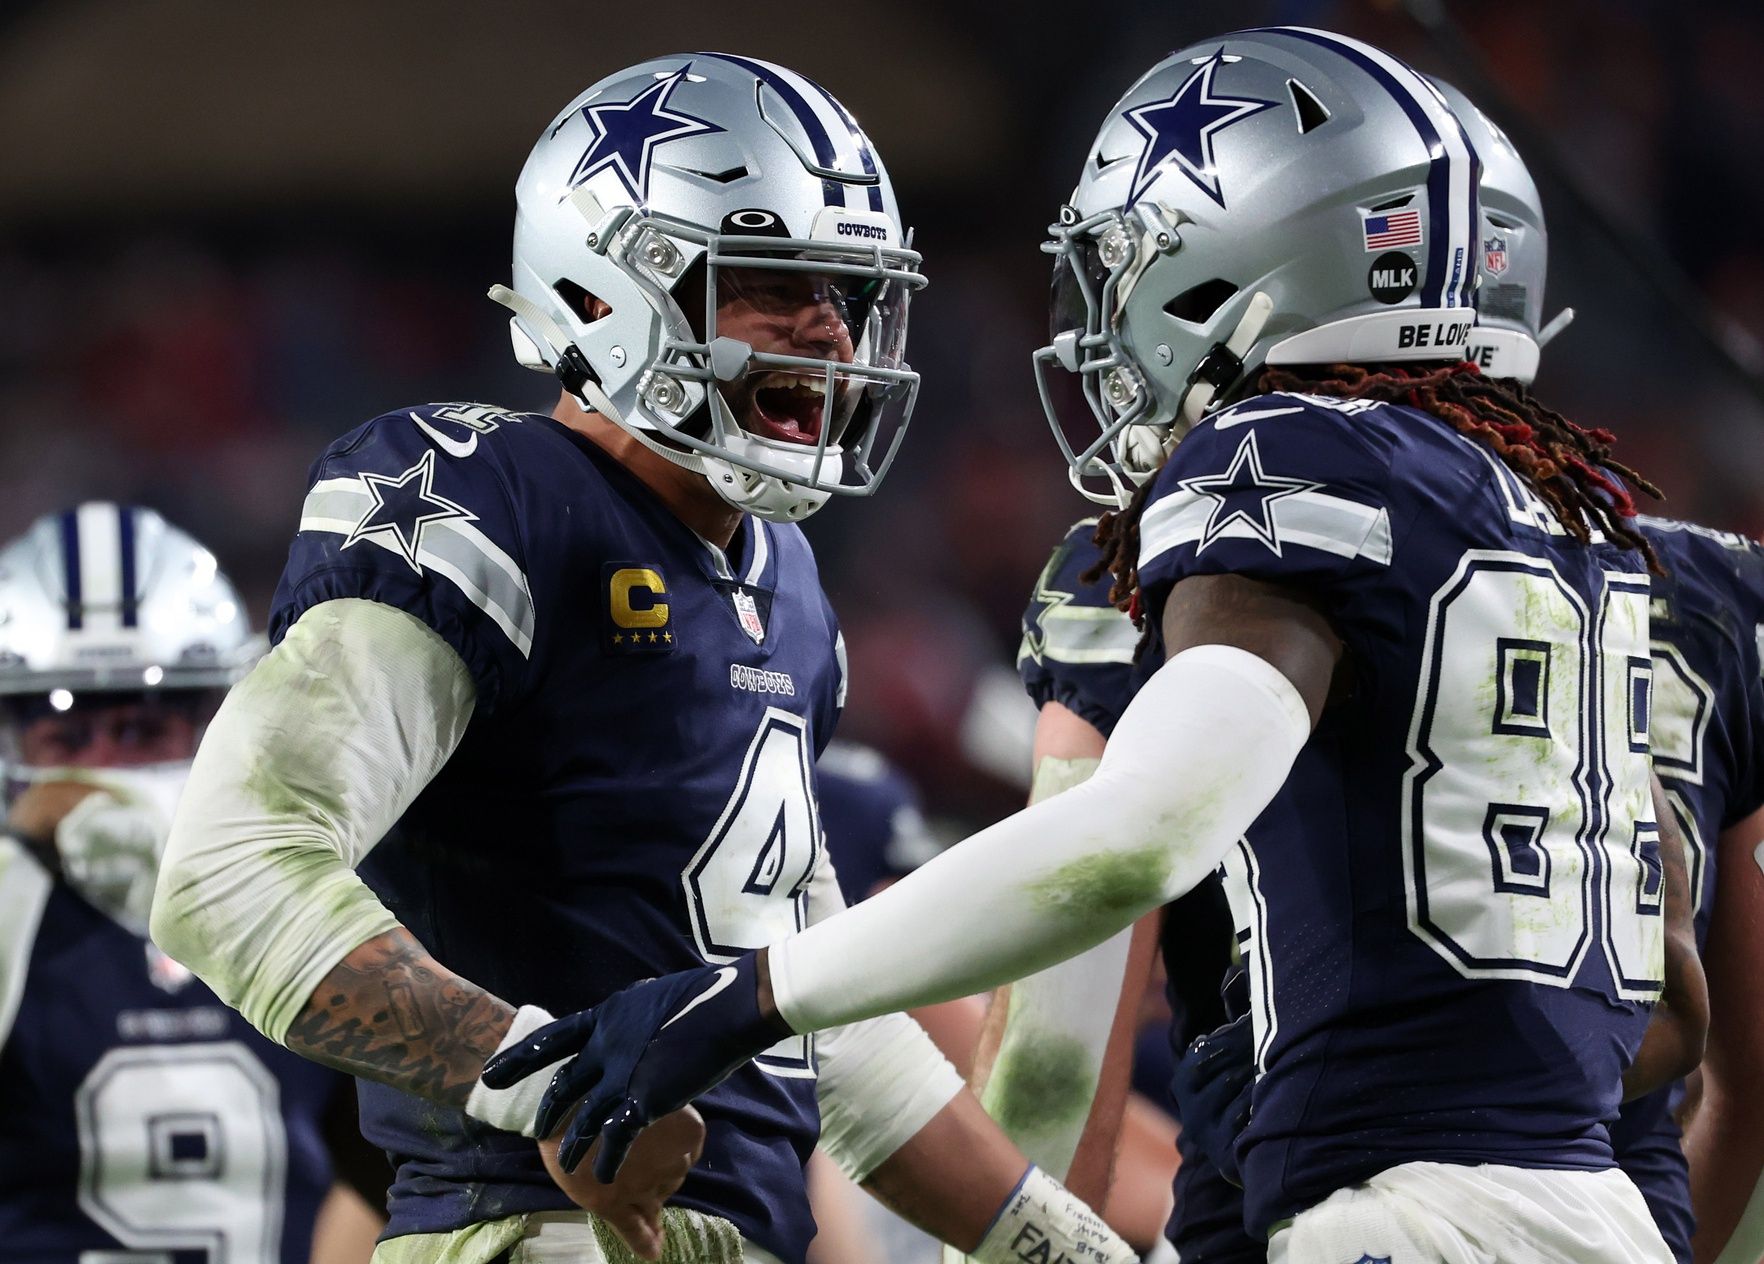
[748, 613]
[1494, 258]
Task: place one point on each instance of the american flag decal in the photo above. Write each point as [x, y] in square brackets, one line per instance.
[1396, 228]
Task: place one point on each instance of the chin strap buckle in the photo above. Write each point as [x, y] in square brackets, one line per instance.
[573, 369]
[1219, 368]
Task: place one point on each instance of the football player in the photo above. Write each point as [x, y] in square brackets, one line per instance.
[1402, 613]
[1078, 663]
[1709, 700]
[1707, 714]
[584, 662]
[139, 1117]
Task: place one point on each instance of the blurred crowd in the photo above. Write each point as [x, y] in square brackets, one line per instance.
[198, 364]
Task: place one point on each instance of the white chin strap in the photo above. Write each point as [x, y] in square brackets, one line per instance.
[762, 495]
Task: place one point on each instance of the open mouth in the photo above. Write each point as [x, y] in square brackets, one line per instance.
[789, 409]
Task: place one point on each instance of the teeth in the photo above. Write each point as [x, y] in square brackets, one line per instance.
[800, 388]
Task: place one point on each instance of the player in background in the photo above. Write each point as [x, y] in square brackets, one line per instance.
[1403, 621]
[139, 1117]
[1707, 727]
[1707, 719]
[1078, 664]
[876, 834]
[585, 664]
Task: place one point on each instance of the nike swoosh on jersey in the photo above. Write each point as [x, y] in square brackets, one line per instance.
[453, 447]
[725, 977]
[1227, 420]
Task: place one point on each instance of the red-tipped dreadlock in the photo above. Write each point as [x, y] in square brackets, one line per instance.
[1564, 463]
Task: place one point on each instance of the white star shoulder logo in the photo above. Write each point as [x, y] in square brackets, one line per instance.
[405, 505]
[1245, 493]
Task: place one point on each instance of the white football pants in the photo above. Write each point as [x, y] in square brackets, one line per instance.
[1438, 1213]
[564, 1238]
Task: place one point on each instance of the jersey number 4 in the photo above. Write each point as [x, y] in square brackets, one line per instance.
[1529, 829]
[747, 885]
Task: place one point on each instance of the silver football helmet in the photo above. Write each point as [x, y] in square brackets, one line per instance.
[697, 181]
[1276, 196]
[1512, 255]
[111, 615]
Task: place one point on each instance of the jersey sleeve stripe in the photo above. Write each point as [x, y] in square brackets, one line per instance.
[1082, 635]
[454, 549]
[1312, 519]
[24, 892]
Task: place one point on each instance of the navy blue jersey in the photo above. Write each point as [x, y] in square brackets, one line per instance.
[1452, 911]
[870, 815]
[1708, 616]
[137, 1112]
[633, 795]
[1078, 650]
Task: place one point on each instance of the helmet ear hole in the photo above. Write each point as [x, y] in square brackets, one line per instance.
[1198, 304]
[587, 307]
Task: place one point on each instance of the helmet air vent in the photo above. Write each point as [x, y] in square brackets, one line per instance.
[1198, 304]
[1394, 203]
[728, 176]
[1311, 112]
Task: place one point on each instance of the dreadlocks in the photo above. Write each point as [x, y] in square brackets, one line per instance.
[1568, 465]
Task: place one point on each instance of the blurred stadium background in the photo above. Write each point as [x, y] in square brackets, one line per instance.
[230, 232]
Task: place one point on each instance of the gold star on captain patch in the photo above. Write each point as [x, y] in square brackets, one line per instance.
[618, 639]
[653, 638]
[668, 637]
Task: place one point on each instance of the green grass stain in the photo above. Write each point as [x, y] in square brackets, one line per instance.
[1116, 884]
[689, 1238]
[1039, 1086]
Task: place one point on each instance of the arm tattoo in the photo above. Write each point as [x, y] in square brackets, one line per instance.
[391, 1012]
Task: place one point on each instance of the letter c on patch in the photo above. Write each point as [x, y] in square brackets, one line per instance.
[640, 580]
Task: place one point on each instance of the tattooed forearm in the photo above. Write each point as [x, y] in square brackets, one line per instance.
[391, 1012]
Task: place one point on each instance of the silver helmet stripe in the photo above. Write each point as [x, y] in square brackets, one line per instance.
[100, 565]
[1453, 179]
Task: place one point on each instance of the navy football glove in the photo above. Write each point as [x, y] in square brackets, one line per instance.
[1212, 1087]
[639, 1054]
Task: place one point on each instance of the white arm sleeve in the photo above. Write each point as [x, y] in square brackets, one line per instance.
[310, 760]
[1198, 754]
[880, 1080]
[1056, 1030]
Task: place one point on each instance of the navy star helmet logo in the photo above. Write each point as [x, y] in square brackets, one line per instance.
[627, 132]
[1373, 1259]
[1184, 129]
[1245, 493]
[404, 505]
